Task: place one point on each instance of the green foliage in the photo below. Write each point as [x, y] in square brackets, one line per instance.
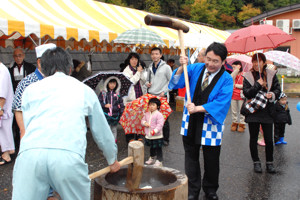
[263, 5]
[203, 11]
[282, 3]
[225, 7]
[171, 6]
[116, 2]
[152, 6]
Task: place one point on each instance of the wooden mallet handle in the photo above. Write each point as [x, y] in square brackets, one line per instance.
[185, 72]
[168, 22]
[123, 162]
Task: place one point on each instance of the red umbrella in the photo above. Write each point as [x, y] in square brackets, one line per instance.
[134, 112]
[256, 37]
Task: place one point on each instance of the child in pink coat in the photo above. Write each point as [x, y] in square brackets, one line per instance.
[153, 121]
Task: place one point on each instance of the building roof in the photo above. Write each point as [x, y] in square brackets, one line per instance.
[272, 13]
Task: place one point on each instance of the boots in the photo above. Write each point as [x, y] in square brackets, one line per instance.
[257, 167]
[234, 126]
[241, 128]
[281, 141]
[270, 168]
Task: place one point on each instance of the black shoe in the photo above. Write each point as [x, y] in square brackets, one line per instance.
[270, 168]
[211, 196]
[257, 167]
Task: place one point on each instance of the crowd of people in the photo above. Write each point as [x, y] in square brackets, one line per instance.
[46, 109]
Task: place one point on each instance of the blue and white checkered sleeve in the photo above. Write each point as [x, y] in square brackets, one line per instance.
[17, 102]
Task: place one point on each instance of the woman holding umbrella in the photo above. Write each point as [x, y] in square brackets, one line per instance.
[261, 87]
[135, 73]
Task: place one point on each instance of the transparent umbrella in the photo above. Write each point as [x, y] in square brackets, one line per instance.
[245, 60]
[140, 36]
[283, 58]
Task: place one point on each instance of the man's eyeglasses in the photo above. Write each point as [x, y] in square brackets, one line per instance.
[214, 61]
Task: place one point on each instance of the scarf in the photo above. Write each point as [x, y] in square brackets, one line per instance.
[137, 87]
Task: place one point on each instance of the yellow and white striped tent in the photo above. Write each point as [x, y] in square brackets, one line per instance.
[79, 24]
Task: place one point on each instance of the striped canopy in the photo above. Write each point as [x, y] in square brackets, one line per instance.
[79, 24]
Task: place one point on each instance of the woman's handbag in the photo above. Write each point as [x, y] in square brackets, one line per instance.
[258, 102]
[244, 111]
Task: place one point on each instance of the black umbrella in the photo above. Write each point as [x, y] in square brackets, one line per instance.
[94, 80]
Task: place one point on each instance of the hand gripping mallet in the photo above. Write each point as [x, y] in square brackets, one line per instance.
[125, 161]
[168, 22]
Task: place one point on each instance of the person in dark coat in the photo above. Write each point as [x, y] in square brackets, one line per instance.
[281, 118]
[260, 80]
[20, 68]
[112, 103]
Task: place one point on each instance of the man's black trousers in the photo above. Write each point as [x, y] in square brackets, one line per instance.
[211, 157]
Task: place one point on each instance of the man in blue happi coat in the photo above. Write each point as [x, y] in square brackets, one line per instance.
[211, 89]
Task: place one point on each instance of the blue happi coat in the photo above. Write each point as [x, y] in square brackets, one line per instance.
[217, 105]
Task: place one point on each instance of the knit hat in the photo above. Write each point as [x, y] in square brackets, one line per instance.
[39, 50]
[282, 95]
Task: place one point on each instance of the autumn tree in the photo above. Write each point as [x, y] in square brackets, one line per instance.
[227, 21]
[219, 13]
[247, 12]
[185, 9]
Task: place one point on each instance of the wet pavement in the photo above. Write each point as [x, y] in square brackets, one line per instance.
[237, 179]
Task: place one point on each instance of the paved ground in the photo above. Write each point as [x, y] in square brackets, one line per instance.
[237, 179]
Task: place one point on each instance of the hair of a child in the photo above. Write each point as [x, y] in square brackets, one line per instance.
[156, 101]
[112, 81]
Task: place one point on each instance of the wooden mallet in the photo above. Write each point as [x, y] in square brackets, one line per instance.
[135, 160]
[170, 23]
